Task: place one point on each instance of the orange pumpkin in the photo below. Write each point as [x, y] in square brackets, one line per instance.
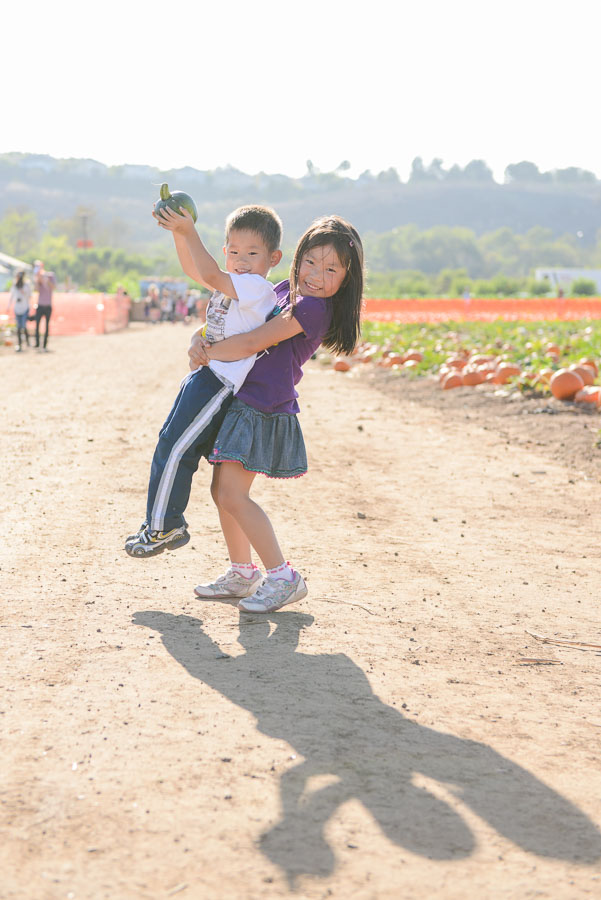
[480, 359]
[504, 372]
[587, 361]
[413, 355]
[456, 362]
[587, 373]
[452, 380]
[472, 377]
[545, 375]
[342, 364]
[565, 384]
[588, 394]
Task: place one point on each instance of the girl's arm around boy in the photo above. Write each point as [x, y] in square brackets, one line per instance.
[239, 346]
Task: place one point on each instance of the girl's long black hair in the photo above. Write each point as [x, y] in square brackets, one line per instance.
[345, 328]
[20, 279]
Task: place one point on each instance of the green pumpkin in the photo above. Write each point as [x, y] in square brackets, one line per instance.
[175, 201]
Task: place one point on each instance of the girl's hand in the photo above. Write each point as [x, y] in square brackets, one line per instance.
[172, 221]
[197, 351]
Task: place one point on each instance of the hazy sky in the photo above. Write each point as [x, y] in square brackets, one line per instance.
[265, 85]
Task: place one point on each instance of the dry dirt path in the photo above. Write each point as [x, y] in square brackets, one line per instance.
[381, 739]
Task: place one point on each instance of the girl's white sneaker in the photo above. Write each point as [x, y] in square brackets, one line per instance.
[275, 593]
[231, 586]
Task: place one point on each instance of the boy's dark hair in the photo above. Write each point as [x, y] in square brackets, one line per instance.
[345, 328]
[263, 220]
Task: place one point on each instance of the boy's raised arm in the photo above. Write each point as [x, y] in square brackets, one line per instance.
[185, 257]
[196, 256]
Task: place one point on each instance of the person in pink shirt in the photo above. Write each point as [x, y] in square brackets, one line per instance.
[45, 282]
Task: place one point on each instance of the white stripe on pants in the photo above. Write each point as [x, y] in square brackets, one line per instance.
[194, 429]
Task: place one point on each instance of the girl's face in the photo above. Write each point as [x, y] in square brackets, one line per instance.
[320, 272]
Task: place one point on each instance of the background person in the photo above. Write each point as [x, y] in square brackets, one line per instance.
[45, 282]
[19, 296]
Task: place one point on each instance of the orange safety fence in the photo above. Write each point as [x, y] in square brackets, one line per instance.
[480, 309]
[80, 313]
[102, 313]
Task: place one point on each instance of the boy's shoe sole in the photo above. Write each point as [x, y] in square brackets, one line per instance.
[141, 549]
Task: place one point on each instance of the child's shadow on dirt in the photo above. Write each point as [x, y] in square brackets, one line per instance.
[324, 707]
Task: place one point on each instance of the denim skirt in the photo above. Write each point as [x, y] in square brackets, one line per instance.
[270, 443]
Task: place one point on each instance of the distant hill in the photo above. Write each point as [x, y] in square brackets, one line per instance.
[123, 195]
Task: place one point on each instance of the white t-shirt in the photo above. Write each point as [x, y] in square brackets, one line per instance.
[226, 317]
[20, 297]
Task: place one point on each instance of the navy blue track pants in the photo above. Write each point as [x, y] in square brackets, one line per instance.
[188, 434]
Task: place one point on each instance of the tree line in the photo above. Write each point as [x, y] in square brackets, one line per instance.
[119, 198]
[405, 261]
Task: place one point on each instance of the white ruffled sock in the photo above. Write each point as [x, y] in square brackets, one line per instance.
[284, 571]
[244, 569]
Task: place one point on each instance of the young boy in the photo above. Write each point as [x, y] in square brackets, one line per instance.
[242, 300]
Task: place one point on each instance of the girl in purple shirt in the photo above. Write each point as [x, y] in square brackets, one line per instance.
[320, 305]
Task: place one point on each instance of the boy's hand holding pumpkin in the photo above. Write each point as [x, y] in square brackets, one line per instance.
[179, 223]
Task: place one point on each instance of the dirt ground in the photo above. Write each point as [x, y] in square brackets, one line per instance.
[388, 737]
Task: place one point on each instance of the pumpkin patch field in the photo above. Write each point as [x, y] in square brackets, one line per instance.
[532, 348]
[425, 723]
[559, 359]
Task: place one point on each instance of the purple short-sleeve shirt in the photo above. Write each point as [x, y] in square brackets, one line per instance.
[270, 384]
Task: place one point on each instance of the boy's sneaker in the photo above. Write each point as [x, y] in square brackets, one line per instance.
[136, 536]
[149, 543]
[231, 586]
[275, 593]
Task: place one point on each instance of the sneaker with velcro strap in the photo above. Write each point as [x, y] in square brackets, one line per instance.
[275, 593]
[136, 535]
[149, 543]
[231, 586]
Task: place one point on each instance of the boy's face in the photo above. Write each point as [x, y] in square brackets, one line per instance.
[247, 254]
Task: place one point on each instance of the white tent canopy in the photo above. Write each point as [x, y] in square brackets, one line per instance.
[8, 266]
[10, 263]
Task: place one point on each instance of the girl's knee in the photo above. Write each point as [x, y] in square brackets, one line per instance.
[229, 498]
